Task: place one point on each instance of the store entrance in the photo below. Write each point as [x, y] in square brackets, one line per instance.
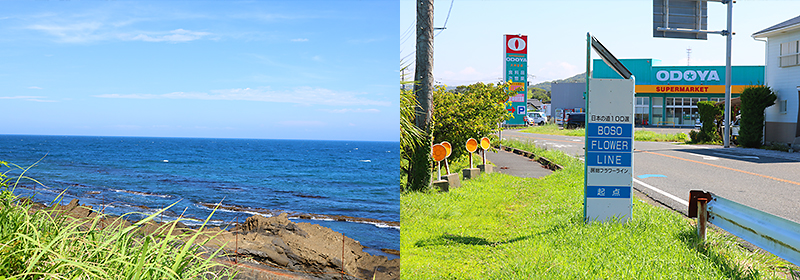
[676, 111]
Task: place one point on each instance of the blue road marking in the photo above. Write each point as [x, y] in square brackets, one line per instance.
[651, 175]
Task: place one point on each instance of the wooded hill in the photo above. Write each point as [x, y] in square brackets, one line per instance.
[579, 78]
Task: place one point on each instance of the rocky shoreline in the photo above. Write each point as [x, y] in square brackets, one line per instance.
[273, 248]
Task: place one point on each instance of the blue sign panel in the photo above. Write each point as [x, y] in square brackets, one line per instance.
[609, 129]
[608, 192]
[608, 159]
[597, 144]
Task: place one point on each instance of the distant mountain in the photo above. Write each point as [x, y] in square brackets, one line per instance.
[579, 78]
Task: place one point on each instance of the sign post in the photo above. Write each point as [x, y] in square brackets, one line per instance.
[515, 66]
[687, 19]
[609, 142]
[609, 149]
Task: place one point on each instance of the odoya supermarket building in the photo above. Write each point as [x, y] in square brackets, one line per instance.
[668, 95]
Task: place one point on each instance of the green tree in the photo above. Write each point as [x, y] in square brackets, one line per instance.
[468, 112]
[709, 112]
[754, 100]
[411, 138]
[410, 135]
[537, 93]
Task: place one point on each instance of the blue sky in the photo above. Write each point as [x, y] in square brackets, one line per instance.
[470, 49]
[259, 69]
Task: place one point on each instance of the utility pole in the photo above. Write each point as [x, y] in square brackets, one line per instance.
[423, 76]
[420, 168]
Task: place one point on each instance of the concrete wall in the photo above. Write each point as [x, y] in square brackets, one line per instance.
[567, 95]
[782, 127]
[779, 132]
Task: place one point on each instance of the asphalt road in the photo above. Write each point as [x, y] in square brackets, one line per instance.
[765, 180]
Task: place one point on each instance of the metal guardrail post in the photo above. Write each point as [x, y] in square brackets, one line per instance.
[699, 199]
[771, 233]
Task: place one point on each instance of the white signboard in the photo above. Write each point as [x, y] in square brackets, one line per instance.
[609, 150]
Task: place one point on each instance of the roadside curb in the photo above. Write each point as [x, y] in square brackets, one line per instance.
[542, 160]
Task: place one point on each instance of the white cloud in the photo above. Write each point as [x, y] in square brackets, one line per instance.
[177, 35]
[300, 95]
[34, 87]
[300, 40]
[21, 97]
[41, 100]
[27, 98]
[71, 33]
[81, 32]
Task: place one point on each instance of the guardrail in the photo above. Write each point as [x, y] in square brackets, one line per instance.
[774, 234]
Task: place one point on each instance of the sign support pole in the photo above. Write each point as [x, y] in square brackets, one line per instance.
[586, 101]
[727, 118]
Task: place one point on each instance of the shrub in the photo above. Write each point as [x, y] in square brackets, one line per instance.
[754, 100]
[472, 111]
[709, 112]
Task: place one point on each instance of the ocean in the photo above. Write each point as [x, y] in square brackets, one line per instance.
[351, 187]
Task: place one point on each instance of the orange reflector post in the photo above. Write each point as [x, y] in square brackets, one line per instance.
[485, 143]
[448, 147]
[439, 152]
[472, 145]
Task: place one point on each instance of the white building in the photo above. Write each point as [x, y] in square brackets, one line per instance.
[782, 74]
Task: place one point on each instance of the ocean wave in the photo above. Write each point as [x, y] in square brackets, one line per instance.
[365, 160]
[142, 193]
[297, 215]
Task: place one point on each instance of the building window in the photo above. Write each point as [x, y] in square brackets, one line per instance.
[790, 54]
[783, 106]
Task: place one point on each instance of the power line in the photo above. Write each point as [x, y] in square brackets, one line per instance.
[408, 33]
[445, 19]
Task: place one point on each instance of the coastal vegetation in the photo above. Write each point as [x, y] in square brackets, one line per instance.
[472, 111]
[503, 227]
[51, 244]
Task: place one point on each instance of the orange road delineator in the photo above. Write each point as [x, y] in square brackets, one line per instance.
[472, 146]
[485, 144]
[449, 149]
[471, 172]
[439, 153]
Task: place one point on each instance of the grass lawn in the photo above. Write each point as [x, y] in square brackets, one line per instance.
[639, 135]
[503, 227]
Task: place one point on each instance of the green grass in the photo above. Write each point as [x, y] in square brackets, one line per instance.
[553, 129]
[644, 135]
[638, 135]
[47, 245]
[502, 227]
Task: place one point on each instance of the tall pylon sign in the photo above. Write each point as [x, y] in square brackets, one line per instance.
[515, 68]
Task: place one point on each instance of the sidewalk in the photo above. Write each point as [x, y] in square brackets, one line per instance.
[516, 165]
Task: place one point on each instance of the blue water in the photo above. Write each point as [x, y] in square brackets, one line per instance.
[122, 174]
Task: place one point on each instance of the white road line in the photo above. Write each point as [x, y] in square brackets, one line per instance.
[706, 157]
[679, 200]
[736, 156]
